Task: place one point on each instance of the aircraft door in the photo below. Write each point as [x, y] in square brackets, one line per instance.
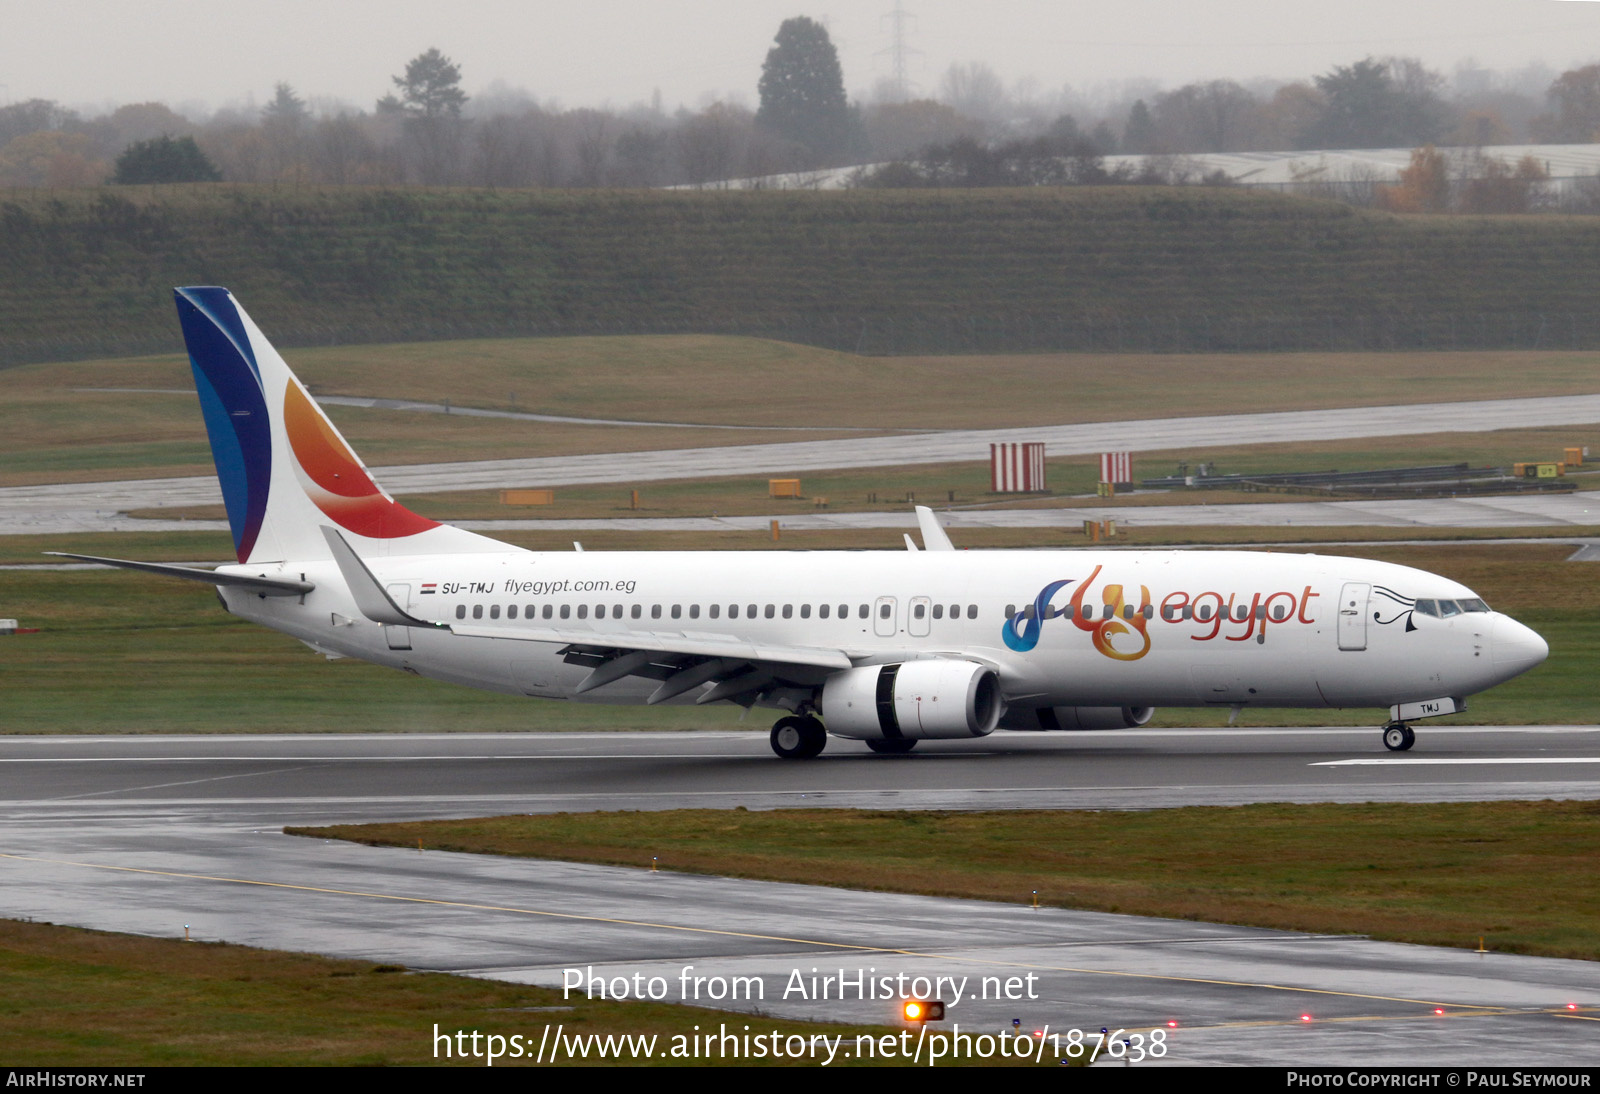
[1353, 615]
[883, 617]
[399, 638]
[920, 620]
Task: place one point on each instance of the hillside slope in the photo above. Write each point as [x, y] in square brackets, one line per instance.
[89, 272]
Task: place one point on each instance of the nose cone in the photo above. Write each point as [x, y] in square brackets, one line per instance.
[1516, 648]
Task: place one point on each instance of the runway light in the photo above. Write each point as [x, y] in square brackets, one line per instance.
[1172, 1025]
[922, 1010]
[1038, 1033]
[1438, 1010]
[1305, 1018]
[1572, 1006]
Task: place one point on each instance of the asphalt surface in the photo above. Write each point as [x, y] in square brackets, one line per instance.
[150, 835]
[91, 507]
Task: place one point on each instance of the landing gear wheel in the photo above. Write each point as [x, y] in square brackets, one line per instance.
[892, 748]
[798, 738]
[1398, 737]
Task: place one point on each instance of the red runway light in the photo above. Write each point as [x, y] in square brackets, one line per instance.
[1305, 1018]
[1172, 1025]
[1438, 1010]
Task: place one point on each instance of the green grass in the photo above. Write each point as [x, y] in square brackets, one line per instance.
[53, 428]
[1444, 875]
[90, 271]
[127, 653]
[80, 998]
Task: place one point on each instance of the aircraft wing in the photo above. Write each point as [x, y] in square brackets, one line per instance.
[739, 670]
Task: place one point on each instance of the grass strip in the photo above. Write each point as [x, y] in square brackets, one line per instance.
[1519, 875]
[71, 997]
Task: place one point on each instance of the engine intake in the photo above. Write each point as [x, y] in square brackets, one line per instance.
[913, 700]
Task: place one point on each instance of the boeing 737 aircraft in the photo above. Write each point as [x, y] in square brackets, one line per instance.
[885, 648]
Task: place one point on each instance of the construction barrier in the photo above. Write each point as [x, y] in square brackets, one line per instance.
[783, 488]
[1016, 468]
[527, 497]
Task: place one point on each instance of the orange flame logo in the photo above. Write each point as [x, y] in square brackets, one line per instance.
[1117, 621]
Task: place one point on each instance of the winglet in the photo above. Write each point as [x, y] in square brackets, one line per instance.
[933, 537]
[370, 596]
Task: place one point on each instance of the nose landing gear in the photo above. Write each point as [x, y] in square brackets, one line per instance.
[800, 738]
[1398, 737]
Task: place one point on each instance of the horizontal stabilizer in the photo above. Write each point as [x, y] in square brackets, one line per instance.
[265, 586]
[369, 595]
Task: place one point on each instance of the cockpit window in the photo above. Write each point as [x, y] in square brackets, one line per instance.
[1428, 607]
[1473, 605]
[1447, 608]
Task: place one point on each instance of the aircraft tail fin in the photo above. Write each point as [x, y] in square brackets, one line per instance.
[285, 469]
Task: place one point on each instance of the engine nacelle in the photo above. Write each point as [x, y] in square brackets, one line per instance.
[913, 700]
[1077, 718]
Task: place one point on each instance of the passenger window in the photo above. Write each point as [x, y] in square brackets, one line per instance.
[1261, 611]
[494, 611]
[750, 611]
[1106, 612]
[1011, 611]
[865, 611]
[938, 611]
[655, 611]
[844, 611]
[1280, 613]
[583, 611]
[788, 611]
[636, 611]
[805, 611]
[677, 611]
[694, 611]
[511, 612]
[716, 611]
[822, 611]
[546, 612]
[772, 610]
[733, 611]
[566, 611]
[461, 611]
[883, 611]
[1203, 613]
[918, 611]
[1029, 612]
[1149, 611]
[972, 611]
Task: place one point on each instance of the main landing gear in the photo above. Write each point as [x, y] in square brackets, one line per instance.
[799, 738]
[1398, 737]
[892, 748]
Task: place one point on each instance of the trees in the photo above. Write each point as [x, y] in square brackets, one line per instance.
[164, 159]
[430, 88]
[802, 90]
[430, 101]
[1377, 104]
[1575, 104]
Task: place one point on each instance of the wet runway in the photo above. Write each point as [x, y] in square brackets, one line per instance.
[149, 834]
[91, 507]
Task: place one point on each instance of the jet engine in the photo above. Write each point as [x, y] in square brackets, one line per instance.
[913, 700]
[1077, 718]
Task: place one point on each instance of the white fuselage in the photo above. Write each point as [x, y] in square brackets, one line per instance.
[1147, 628]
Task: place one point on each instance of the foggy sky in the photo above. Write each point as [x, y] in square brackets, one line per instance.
[216, 53]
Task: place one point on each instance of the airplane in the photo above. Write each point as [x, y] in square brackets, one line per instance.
[887, 648]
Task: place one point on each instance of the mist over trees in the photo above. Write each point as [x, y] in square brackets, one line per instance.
[425, 129]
